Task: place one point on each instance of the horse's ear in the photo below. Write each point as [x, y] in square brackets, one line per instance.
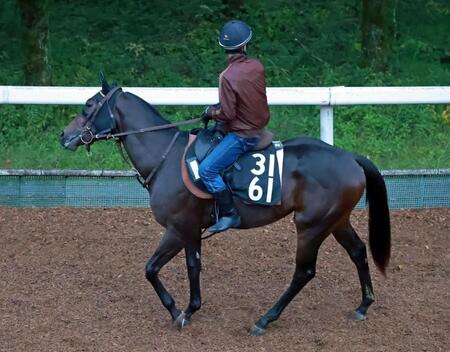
[114, 84]
[105, 86]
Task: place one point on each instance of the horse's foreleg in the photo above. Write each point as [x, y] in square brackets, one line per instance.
[308, 245]
[356, 249]
[169, 247]
[193, 264]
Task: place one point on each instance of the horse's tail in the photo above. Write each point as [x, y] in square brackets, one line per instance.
[379, 222]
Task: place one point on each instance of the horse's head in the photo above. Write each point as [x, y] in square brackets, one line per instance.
[95, 118]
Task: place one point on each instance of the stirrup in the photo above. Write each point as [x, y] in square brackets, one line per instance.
[225, 223]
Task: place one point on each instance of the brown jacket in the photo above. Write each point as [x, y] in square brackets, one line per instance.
[242, 95]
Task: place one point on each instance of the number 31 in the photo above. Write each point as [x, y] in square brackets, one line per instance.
[255, 192]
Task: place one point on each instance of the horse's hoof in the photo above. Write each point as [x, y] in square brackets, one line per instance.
[181, 321]
[357, 316]
[257, 331]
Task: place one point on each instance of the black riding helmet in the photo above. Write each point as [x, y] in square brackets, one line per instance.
[234, 35]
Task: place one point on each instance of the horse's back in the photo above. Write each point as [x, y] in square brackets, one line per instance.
[309, 142]
[307, 147]
[326, 175]
[314, 155]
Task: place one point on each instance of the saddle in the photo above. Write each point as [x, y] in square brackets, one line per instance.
[208, 138]
[255, 177]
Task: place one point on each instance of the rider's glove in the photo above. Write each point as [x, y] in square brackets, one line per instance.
[208, 113]
[206, 117]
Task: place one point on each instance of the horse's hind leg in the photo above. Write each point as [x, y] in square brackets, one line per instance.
[308, 244]
[356, 249]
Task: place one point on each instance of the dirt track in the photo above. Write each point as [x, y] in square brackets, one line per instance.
[73, 280]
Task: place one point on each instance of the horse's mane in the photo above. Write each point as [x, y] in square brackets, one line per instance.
[154, 113]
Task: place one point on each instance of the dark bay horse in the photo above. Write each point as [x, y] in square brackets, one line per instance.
[321, 186]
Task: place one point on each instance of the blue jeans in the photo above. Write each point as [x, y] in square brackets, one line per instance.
[222, 156]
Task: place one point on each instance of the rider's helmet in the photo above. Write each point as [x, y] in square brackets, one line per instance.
[234, 35]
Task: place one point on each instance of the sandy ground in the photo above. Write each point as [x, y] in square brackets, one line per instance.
[73, 280]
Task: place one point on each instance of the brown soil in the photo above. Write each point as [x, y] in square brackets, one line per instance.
[73, 280]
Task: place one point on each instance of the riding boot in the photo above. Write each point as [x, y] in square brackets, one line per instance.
[228, 214]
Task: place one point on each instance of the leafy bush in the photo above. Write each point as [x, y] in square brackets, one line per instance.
[307, 43]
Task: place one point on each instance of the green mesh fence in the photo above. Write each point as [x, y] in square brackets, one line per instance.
[107, 189]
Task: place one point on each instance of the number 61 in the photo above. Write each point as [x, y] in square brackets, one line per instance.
[255, 192]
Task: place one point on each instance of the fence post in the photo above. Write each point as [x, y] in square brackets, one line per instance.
[326, 124]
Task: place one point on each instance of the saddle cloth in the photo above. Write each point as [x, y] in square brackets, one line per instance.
[256, 177]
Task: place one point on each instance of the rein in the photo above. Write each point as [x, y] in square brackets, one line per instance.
[87, 137]
[147, 129]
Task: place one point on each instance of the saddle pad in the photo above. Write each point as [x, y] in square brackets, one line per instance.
[256, 177]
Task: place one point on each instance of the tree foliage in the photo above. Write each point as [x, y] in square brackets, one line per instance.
[377, 31]
[308, 43]
[35, 32]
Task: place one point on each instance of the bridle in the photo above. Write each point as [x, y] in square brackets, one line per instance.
[88, 137]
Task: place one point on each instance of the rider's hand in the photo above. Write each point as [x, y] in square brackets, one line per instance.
[205, 117]
[207, 114]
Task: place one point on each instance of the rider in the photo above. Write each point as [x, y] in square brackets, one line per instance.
[242, 113]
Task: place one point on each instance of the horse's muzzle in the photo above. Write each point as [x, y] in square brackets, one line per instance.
[71, 142]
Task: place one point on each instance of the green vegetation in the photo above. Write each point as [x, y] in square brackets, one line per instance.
[302, 43]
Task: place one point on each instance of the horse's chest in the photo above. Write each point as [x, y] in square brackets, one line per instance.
[165, 203]
[159, 205]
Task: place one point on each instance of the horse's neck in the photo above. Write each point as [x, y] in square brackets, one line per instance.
[144, 149]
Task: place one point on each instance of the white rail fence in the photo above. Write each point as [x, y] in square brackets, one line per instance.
[326, 98]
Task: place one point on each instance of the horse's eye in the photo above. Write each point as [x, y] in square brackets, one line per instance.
[85, 110]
